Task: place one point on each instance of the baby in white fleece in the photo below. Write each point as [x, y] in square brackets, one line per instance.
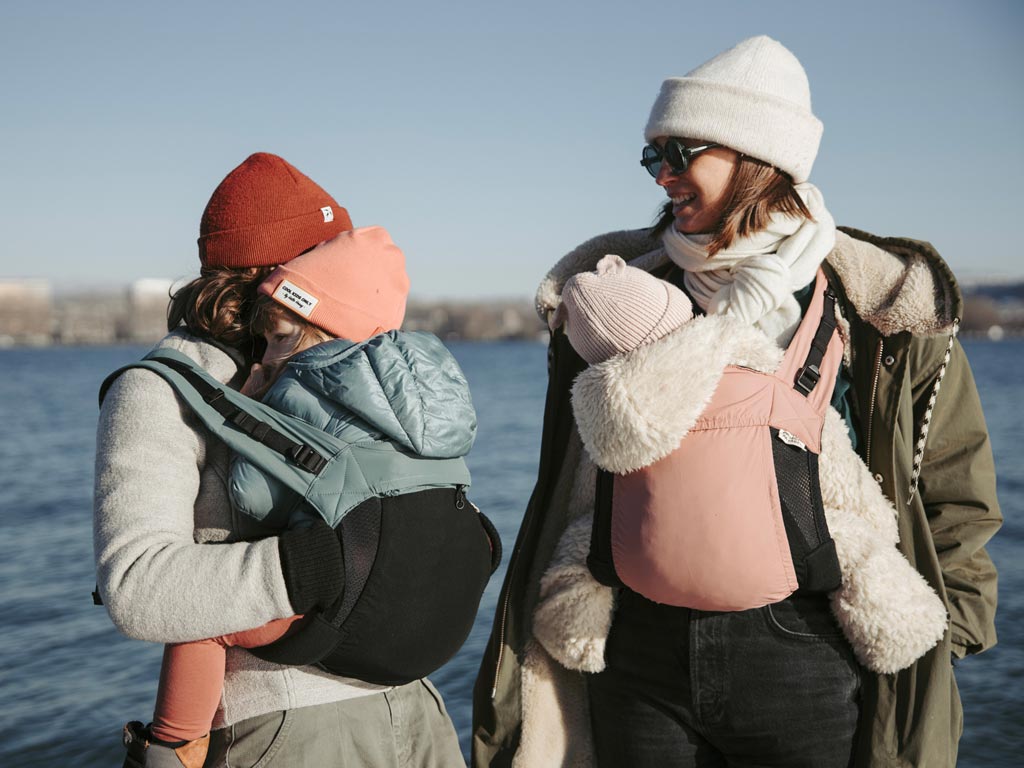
[638, 334]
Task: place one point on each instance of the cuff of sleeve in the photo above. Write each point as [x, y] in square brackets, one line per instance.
[960, 647]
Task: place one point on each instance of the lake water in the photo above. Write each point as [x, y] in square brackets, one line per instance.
[68, 681]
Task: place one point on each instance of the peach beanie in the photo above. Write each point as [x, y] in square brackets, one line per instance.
[353, 286]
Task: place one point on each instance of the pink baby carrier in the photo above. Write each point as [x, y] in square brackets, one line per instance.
[732, 519]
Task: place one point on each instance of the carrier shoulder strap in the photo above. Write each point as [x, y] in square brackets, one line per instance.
[226, 407]
[331, 473]
[810, 373]
[304, 455]
[599, 559]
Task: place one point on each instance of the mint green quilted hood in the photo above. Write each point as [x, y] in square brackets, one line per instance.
[400, 391]
[403, 386]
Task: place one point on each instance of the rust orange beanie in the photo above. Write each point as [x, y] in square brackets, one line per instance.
[354, 286]
[264, 213]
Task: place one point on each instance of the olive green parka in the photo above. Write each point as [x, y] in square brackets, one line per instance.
[911, 383]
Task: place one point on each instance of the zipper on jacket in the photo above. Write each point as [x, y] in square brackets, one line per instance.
[501, 642]
[513, 562]
[871, 404]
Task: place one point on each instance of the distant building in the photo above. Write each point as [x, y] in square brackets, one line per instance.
[26, 312]
[145, 318]
[994, 308]
[484, 320]
[88, 318]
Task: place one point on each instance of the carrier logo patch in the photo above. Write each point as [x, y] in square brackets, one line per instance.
[790, 439]
[296, 298]
[328, 213]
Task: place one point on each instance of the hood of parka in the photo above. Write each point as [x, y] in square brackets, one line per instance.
[404, 385]
[895, 284]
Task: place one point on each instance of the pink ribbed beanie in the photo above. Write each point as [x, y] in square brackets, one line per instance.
[618, 308]
[354, 286]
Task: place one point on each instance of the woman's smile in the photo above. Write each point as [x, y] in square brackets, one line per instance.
[700, 194]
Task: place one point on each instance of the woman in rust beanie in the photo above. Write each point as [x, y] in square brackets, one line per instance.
[161, 494]
[264, 213]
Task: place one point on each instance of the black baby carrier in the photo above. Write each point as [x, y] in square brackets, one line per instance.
[417, 555]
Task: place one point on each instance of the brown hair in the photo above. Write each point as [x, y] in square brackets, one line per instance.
[218, 305]
[756, 191]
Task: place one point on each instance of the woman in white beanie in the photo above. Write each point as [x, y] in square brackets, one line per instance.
[745, 235]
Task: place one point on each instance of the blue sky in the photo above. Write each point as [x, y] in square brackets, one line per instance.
[489, 138]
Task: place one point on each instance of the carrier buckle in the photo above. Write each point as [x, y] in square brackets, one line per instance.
[308, 459]
[807, 378]
[212, 397]
[245, 422]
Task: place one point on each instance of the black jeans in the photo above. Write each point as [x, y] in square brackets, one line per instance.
[772, 686]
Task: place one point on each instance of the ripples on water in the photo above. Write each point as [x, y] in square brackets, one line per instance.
[68, 680]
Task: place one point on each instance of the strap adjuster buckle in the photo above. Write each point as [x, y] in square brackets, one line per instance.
[211, 398]
[245, 422]
[308, 459]
[807, 378]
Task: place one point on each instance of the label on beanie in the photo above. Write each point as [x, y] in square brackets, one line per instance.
[328, 213]
[295, 298]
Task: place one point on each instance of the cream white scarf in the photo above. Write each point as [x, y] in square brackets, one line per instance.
[754, 278]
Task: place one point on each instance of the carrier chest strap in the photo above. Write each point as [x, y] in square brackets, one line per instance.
[303, 455]
[810, 373]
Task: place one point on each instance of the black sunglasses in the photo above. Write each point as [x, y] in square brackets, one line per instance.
[674, 153]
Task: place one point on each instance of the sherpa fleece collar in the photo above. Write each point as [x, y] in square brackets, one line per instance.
[895, 284]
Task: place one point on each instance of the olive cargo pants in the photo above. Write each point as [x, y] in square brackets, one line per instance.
[405, 727]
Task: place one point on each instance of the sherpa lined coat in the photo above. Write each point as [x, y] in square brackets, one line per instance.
[900, 306]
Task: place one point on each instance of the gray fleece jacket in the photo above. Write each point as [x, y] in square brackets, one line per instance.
[160, 500]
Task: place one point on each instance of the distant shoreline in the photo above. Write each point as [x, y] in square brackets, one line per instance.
[31, 315]
[7, 344]
[541, 337]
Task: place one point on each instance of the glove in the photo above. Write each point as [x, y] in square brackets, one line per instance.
[312, 565]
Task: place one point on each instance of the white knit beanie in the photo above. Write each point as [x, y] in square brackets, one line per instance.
[618, 308]
[753, 98]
